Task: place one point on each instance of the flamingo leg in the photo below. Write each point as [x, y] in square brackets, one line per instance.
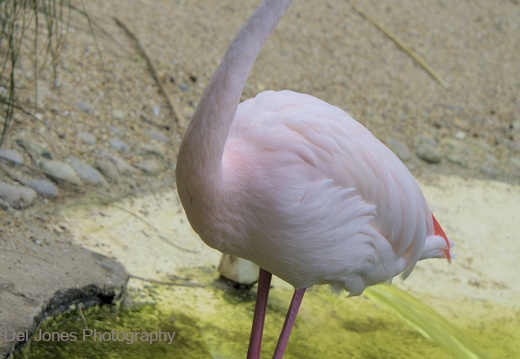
[255, 341]
[289, 322]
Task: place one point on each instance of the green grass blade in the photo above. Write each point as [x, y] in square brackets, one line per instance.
[427, 321]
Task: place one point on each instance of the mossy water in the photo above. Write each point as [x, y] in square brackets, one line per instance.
[210, 322]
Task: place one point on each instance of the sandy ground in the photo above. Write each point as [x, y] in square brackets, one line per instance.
[481, 217]
[324, 49]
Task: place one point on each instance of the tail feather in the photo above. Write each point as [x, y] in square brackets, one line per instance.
[438, 231]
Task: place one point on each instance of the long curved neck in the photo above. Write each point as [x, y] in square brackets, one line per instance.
[205, 137]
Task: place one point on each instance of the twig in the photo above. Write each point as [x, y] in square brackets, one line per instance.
[167, 282]
[181, 121]
[155, 229]
[82, 315]
[404, 46]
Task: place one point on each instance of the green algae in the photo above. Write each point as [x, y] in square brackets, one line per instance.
[215, 323]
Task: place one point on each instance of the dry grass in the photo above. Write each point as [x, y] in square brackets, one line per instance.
[33, 31]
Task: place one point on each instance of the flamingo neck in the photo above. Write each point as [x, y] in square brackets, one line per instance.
[203, 145]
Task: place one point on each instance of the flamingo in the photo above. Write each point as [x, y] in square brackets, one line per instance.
[297, 186]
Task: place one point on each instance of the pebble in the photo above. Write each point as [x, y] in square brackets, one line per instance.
[464, 152]
[17, 196]
[122, 166]
[489, 171]
[427, 150]
[108, 169]
[150, 167]
[118, 114]
[57, 171]
[515, 162]
[159, 136]
[42, 186]
[460, 135]
[33, 147]
[399, 148]
[87, 138]
[154, 148]
[85, 107]
[87, 173]
[118, 145]
[11, 155]
[115, 130]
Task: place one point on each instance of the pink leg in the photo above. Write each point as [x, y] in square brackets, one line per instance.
[289, 322]
[262, 293]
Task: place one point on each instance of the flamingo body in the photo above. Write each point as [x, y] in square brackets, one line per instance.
[297, 186]
[310, 195]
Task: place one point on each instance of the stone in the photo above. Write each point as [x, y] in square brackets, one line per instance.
[17, 196]
[399, 148]
[118, 145]
[85, 107]
[108, 169]
[159, 136]
[238, 270]
[87, 173]
[47, 275]
[59, 171]
[154, 148]
[118, 114]
[43, 187]
[11, 155]
[122, 166]
[87, 138]
[428, 153]
[149, 167]
[33, 147]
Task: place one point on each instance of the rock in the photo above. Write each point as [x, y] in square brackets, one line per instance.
[156, 110]
[59, 171]
[87, 173]
[43, 187]
[159, 136]
[17, 196]
[238, 270]
[460, 135]
[122, 166]
[515, 162]
[11, 155]
[465, 152]
[118, 115]
[399, 148]
[108, 169]
[33, 147]
[154, 148]
[115, 130]
[46, 275]
[150, 167]
[428, 152]
[85, 107]
[118, 145]
[183, 87]
[489, 171]
[87, 138]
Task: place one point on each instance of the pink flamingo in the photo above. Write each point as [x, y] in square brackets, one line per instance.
[297, 186]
